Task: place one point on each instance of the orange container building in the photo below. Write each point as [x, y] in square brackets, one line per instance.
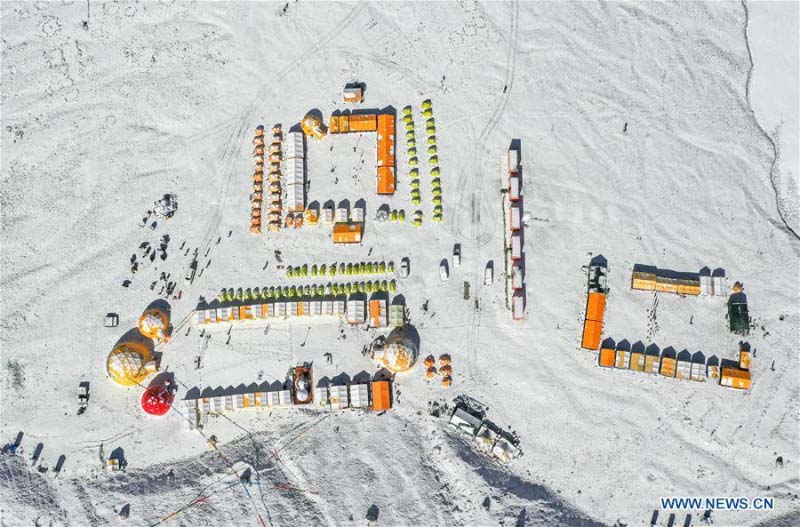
[592, 329]
[387, 181]
[386, 139]
[381, 395]
[735, 378]
[348, 232]
[367, 122]
[595, 306]
[668, 366]
[386, 153]
[593, 325]
[607, 357]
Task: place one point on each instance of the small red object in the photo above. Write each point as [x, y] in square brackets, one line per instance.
[157, 400]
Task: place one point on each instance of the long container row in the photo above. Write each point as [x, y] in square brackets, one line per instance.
[375, 396]
[595, 306]
[511, 167]
[681, 366]
[353, 309]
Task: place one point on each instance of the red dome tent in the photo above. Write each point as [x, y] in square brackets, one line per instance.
[157, 400]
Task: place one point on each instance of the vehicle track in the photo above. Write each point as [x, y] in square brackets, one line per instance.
[478, 238]
[479, 149]
[235, 142]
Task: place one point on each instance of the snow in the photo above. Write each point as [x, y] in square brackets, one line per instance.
[638, 142]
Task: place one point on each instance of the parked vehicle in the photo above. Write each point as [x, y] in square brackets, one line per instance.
[457, 255]
[404, 268]
[444, 272]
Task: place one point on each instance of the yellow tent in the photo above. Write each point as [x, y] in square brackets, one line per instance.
[312, 125]
[154, 323]
[130, 363]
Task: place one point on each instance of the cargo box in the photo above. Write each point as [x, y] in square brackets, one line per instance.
[683, 370]
[623, 360]
[637, 361]
[668, 366]
[607, 358]
[652, 363]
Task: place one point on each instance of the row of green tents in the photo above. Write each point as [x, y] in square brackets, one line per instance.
[345, 269]
[308, 291]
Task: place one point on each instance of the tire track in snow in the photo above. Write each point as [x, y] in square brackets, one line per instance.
[479, 149]
[477, 238]
[235, 143]
[773, 146]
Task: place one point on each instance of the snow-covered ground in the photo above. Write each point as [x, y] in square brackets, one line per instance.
[639, 143]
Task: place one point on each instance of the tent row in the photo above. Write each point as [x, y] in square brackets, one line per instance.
[376, 396]
[273, 181]
[649, 360]
[352, 268]
[486, 437]
[511, 167]
[595, 307]
[650, 278]
[385, 127]
[411, 151]
[307, 292]
[433, 160]
[354, 311]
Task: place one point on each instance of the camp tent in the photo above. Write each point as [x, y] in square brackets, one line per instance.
[154, 323]
[312, 125]
[129, 363]
[157, 400]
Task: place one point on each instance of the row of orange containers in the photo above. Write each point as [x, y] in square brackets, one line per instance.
[386, 155]
[680, 367]
[385, 126]
[345, 123]
[593, 324]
